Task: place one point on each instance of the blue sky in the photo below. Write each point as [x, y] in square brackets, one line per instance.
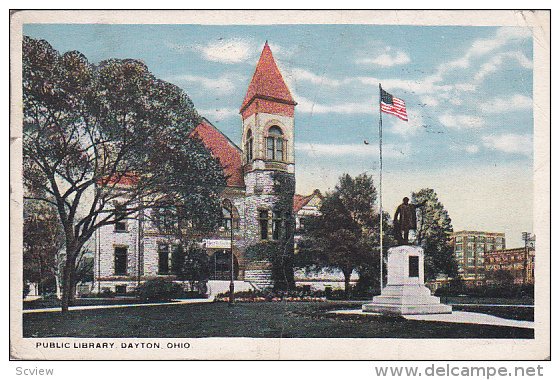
[468, 92]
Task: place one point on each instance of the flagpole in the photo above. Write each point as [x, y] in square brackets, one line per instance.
[380, 193]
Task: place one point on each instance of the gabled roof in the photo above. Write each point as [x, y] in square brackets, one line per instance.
[223, 149]
[300, 201]
[267, 82]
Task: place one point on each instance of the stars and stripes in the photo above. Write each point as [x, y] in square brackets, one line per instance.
[393, 105]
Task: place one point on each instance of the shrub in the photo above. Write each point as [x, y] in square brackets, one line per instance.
[106, 293]
[192, 294]
[49, 296]
[159, 290]
[512, 291]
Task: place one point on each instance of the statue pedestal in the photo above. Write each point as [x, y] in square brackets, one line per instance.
[405, 292]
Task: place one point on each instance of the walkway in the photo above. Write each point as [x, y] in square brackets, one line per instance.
[94, 307]
[454, 317]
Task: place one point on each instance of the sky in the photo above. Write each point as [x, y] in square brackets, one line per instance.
[468, 92]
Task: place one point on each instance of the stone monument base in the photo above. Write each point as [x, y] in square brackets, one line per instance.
[406, 299]
[405, 292]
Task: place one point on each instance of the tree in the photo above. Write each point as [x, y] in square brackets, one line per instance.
[501, 278]
[433, 235]
[42, 245]
[104, 142]
[346, 235]
[196, 266]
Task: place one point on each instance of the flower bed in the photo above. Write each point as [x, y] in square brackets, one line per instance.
[271, 296]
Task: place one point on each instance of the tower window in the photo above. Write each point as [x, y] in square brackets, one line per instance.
[270, 148]
[275, 144]
[279, 149]
[276, 225]
[263, 224]
[249, 146]
[120, 260]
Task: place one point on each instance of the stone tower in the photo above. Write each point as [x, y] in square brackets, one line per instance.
[268, 158]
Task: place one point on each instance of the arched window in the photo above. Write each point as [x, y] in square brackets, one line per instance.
[230, 216]
[226, 218]
[275, 144]
[249, 146]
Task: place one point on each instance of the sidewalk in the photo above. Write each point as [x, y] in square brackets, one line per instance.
[94, 307]
[454, 317]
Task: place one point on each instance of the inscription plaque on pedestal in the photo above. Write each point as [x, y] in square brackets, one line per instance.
[413, 266]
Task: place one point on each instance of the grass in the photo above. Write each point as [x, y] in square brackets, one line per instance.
[510, 312]
[486, 300]
[262, 320]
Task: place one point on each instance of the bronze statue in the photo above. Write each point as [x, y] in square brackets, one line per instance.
[405, 220]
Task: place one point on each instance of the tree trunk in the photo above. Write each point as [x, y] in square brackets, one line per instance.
[68, 279]
[347, 276]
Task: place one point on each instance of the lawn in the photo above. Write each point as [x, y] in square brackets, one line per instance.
[486, 300]
[261, 320]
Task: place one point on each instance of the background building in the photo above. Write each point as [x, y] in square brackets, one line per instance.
[470, 248]
[515, 264]
[305, 207]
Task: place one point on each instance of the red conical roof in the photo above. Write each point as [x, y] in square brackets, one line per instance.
[267, 82]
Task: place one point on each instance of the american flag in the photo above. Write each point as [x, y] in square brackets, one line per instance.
[393, 105]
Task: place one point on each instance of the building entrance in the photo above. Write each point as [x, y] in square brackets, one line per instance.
[220, 265]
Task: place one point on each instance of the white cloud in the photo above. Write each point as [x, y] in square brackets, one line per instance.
[421, 86]
[361, 150]
[222, 85]
[218, 114]
[501, 105]
[299, 74]
[498, 60]
[469, 148]
[281, 51]
[228, 51]
[467, 87]
[457, 121]
[430, 101]
[510, 143]
[386, 59]
[408, 128]
[480, 47]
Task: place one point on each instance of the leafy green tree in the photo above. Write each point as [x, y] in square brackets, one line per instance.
[433, 234]
[101, 143]
[500, 278]
[346, 234]
[42, 245]
[196, 266]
